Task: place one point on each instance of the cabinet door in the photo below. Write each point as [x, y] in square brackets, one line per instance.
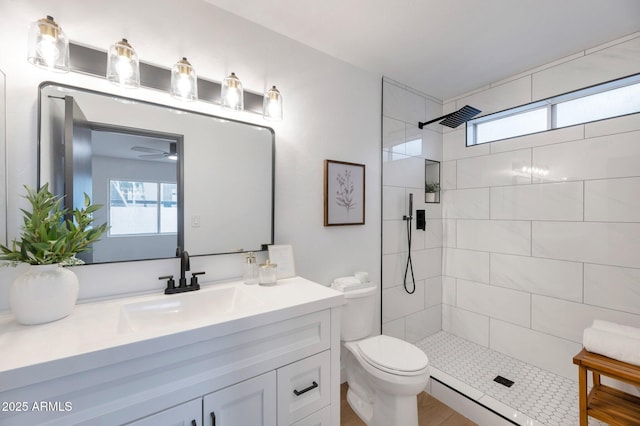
[187, 414]
[252, 402]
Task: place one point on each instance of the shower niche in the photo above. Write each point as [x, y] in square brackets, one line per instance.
[431, 181]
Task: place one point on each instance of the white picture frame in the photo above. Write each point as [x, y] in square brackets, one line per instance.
[282, 255]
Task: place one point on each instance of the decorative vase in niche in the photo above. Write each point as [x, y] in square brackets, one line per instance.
[43, 294]
[430, 197]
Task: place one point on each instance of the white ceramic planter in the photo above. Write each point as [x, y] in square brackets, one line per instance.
[430, 197]
[43, 294]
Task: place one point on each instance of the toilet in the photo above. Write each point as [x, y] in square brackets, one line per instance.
[384, 373]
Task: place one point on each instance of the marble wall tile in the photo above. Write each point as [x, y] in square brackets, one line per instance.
[500, 97]
[616, 244]
[449, 233]
[627, 123]
[466, 324]
[454, 146]
[612, 200]
[466, 264]
[432, 235]
[494, 170]
[394, 328]
[448, 172]
[433, 291]
[466, 203]
[393, 269]
[449, 290]
[427, 263]
[548, 277]
[393, 236]
[596, 158]
[608, 64]
[402, 104]
[548, 201]
[538, 139]
[397, 303]
[612, 287]
[423, 323]
[393, 132]
[540, 349]
[496, 302]
[500, 236]
[393, 203]
[569, 319]
[403, 170]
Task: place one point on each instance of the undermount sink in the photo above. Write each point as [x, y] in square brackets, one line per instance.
[213, 304]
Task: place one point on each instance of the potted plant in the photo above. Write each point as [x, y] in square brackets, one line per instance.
[51, 238]
[430, 189]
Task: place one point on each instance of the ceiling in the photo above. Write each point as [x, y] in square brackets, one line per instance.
[444, 48]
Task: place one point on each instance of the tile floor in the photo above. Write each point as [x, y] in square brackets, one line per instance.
[537, 396]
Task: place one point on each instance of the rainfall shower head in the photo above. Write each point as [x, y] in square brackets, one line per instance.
[456, 118]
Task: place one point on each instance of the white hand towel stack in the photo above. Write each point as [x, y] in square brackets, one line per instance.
[349, 283]
[616, 341]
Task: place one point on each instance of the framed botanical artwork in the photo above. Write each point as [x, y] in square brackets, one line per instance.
[343, 193]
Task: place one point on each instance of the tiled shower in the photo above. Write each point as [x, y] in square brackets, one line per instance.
[517, 262]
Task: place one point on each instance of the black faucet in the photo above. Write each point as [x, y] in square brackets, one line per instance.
[184, 266]
[182, 282]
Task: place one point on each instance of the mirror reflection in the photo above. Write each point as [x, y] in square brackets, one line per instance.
[167, 178]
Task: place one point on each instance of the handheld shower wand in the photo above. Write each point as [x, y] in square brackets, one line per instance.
[409, 266]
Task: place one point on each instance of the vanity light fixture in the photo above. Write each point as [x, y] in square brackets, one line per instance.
[184, 81]
[48, 45]
[123, 67]
[272, 105]
[232, 96]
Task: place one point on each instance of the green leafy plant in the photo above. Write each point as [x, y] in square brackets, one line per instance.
[49, 236]
[432, 187]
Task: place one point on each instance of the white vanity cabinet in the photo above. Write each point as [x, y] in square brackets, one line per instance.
[278, 367]
[186, 414]
[252, 402]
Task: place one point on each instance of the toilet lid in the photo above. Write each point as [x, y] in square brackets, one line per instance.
[393, 355]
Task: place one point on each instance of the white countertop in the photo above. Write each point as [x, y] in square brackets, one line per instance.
[92, 336]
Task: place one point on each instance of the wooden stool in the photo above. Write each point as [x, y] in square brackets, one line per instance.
[603, 402]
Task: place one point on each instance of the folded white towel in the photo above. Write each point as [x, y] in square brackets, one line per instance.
[612, 345]
[347, 281]
[612, 327]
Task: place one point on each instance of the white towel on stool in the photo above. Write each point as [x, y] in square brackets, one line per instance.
[612, 327]
[612, 345]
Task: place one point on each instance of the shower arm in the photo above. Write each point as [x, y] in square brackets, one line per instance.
[422, 124]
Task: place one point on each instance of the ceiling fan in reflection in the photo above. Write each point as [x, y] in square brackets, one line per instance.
[152, 153]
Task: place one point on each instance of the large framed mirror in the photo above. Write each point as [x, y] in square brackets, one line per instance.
[166, 177]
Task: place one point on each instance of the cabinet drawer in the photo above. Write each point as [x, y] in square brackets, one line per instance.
[303, 387]
[319, 418]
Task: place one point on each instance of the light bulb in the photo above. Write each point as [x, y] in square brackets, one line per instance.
[232, 95]
[123, 68]
[272, 104]
[48, 45]
[184, 81]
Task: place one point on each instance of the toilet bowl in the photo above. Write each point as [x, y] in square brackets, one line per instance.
[384, 373]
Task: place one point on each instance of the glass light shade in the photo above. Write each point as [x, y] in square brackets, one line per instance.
[48, 45]
[123, 67]
[184, 81]
[232, 94]
[272, 105]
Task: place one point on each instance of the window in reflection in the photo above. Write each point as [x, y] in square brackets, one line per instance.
[142, 208]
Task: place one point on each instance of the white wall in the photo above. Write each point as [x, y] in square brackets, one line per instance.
[528, 263]
[404, 150]
[322, 120]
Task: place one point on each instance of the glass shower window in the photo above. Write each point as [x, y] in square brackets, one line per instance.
[133, 208]
[523, 123]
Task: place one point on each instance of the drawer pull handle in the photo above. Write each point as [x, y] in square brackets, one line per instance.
[194, 423]
[313, 386]
[213, 418]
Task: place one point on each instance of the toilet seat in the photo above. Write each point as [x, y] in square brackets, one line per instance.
[393, 355]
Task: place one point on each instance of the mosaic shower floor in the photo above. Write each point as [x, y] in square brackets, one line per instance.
[537, 397]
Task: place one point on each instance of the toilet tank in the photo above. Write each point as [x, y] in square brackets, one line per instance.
[358, 313]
